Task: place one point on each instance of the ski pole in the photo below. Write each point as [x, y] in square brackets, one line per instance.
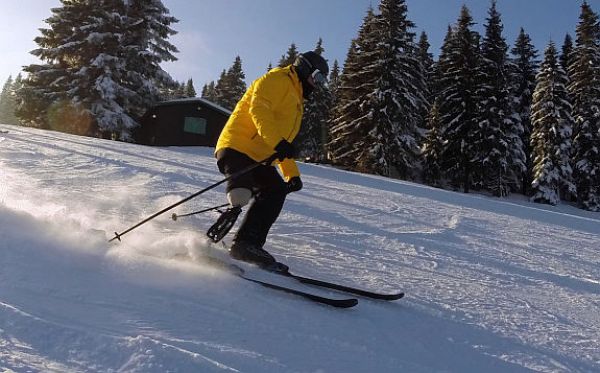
[230, 177]
[175, 216]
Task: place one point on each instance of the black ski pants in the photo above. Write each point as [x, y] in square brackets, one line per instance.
[268, 188]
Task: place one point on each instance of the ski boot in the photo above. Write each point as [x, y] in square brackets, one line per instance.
[255, 254]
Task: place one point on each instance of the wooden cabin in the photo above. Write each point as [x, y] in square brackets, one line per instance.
[183, 122]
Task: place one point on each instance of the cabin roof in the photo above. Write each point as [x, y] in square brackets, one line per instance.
[199, 100]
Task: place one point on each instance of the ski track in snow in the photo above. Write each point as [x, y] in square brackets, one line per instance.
[492, 285]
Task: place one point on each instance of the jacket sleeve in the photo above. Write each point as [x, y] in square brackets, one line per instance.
[267, 95]
[289, 169]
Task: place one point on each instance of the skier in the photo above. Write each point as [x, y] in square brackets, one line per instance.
[265, 121]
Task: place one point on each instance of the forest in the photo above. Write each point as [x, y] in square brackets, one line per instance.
[483, 116]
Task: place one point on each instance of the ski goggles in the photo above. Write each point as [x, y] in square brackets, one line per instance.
[318, 77]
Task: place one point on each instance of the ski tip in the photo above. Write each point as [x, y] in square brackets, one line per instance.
[394, 296]
[400, 296]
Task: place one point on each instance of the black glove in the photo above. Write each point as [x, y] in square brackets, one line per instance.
[285, 150]
[294, 185]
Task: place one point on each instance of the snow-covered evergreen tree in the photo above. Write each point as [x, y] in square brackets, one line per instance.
[334, 81]
[190, 91]
[425, 56]
[97, 90]
[433, 148]
[584, 87]
[457, 85]
[500, 149]
[231, 85]
[103, 65]
[290, 56]
[8, 103]
[399, 99]
[379, 121]
[148, 28]
[46, 84]
[209, 92]
[173, 92]
[552, 129]
[220, 86]
[427, 66]
[348, 132]
[523, 70]
[334, 88]
[436, 79]
[566, 53]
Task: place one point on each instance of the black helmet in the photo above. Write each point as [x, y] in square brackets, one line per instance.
[312, 63]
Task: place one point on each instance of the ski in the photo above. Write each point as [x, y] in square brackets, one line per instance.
[346, 289]
[338, 303]
[342, 288]
[331, 285]
[239, 272]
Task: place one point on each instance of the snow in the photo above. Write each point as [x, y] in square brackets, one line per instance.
[493, 285]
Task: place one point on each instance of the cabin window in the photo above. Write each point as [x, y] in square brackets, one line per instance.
[195, 125]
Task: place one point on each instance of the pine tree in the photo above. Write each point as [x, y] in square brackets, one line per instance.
[46, 84]
[180, 90]
[8, 102]
[565, 58]
[310, 141]
[566, 52]
[457, 88]
[175, 91]
[334, 81]
[103, 66]
[584, 87]
[436, 79]
[190, 91]
[290, 56]
[399, 101]
[381, 96]
[552, 129]
[231, 85]
[347, 132]
[334, 88]
[500, 148]
[148, 27]
[523, 70]
[220, 87]
[97, 90]
[427, 67]
[434, 144]
[433, 148]
[425, 57]
[237, 82]
[209, 92]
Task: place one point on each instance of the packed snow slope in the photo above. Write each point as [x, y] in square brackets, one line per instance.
[492, 285]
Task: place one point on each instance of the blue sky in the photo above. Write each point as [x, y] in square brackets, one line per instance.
[213, 32]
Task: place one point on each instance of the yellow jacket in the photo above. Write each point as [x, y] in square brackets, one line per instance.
[270, 111]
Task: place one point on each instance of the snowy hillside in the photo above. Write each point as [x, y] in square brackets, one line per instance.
[492, 285]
